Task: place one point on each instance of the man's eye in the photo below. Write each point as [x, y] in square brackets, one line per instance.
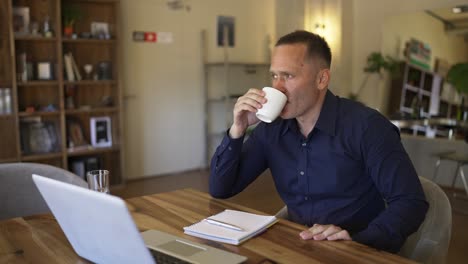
[274, 76]
[289, 76]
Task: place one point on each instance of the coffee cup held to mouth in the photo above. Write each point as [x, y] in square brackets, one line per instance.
[272, 108]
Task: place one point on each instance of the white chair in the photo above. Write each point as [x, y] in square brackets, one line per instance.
[430, 243]
[18, 193]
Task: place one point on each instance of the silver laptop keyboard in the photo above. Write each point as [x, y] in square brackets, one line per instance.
[162, 258]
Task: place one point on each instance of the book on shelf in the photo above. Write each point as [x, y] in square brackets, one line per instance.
[231, 226]
[68, 67]
[80, 166]
[76, 70]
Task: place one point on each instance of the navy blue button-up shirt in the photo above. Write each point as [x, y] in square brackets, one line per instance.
[349, 168]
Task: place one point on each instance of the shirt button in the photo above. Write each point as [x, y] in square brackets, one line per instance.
[302, 173]
[230, 148]
[304, 144]
[306, 198]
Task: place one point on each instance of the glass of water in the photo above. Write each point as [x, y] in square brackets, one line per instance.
[98, 180]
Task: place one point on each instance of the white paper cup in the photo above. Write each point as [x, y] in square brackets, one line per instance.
[272, 108]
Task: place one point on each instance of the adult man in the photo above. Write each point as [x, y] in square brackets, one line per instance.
[338, 165]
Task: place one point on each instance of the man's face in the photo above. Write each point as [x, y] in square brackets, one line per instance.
[296, 76]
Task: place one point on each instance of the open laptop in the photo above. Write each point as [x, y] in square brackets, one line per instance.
[101, 229]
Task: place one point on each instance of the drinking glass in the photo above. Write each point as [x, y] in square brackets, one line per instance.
[98, 180]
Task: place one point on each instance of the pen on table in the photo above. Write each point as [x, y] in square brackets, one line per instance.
[223, 224]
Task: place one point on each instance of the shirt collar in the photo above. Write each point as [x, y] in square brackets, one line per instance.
[327, 119]
[328, 115]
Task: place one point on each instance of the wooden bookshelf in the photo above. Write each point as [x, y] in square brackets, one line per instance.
[55, 99]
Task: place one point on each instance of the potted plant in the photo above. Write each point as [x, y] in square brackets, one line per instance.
[458, 77]
[376, 63]
[70, 14]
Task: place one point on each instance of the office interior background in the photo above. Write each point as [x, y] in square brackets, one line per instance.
[163, 82]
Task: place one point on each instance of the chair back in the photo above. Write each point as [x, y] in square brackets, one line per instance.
[18, 193]
[430, 243]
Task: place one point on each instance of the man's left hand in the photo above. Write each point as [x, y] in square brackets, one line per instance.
[325, 232]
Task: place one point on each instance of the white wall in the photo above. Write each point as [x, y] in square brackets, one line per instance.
[164, 110]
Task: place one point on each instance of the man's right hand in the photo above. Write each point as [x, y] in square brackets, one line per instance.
[244, 111]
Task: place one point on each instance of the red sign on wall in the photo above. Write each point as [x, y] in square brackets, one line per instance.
[150, 37]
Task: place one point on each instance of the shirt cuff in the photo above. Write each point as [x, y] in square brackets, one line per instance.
[374, 238]
[229, 144]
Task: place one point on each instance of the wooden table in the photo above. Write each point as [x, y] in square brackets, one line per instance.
[39, 239]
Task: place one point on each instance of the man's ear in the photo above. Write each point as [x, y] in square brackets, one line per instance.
[323, 79]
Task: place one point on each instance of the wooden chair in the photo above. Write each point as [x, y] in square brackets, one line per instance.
[18, 193]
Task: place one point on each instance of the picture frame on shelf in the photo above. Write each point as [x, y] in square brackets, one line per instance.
[21, 20]
[75, 136]
[100, 30]
[45, 71]
[101, 135]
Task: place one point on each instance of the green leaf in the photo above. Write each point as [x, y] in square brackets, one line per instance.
[458, 77]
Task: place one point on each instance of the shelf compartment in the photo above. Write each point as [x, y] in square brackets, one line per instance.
[102, 11]
[103, 158]
[40, 135]
[38, 96]
[79, 128]
[38, 51]
[91, 95]
[101, 57]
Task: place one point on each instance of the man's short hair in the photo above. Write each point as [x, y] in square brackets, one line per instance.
[317, 47]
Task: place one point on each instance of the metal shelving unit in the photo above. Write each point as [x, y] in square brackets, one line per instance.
[224, 81]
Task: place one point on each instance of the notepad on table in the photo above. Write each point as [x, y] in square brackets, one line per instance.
[247, 225]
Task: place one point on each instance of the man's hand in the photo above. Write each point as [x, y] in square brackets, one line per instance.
[325, 232]
[244, 111]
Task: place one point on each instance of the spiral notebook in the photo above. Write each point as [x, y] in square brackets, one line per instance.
[234, 227]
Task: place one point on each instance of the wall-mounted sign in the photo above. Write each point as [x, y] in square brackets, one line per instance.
[155, 37]
[165, 37]
[150, 37]
[138, 36]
